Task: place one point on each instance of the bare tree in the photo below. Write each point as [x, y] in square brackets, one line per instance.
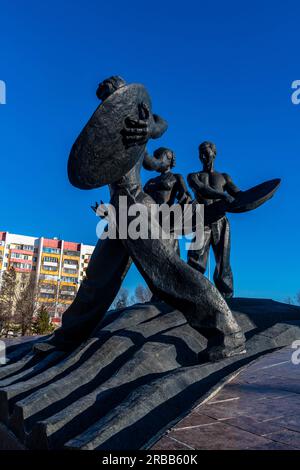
[27, 304]
[8, 297]
[142, 294]
[122, 299]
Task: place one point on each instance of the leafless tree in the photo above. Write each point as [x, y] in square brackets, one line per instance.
[27, 304]
[8, 297]
[142, 294]
[122, 299]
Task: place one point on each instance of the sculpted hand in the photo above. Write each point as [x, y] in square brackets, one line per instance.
[229, 199]
[185, 199]
[100, 209]
[137, 131]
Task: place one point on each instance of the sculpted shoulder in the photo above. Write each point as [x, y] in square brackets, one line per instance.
[193, 176]
[226, 176]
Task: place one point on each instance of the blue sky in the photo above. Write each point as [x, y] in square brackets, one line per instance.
[218, 71]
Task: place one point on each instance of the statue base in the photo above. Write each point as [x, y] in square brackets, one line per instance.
[131, 381]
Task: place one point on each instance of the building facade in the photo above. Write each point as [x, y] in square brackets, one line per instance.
[58, 266]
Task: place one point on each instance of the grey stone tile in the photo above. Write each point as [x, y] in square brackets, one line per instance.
[259, 428]
[165, 443]
[194, 420]
[218, 436]
[286, 436]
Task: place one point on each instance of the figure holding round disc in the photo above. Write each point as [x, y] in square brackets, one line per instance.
[111, 150]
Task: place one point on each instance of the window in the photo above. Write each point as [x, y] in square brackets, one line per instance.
[50, 259]
[27, 247]
[71, 261]
[69, 279]
[71, 253]
[49, 268]
[49, 277]
[51, 250]
[21, 265]
[70, 271]
[46, 296]
[20, 256]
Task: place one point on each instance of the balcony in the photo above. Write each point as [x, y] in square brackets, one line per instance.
[72, 253]
[50, 263]
[71, 266]
[45, 290]
[67, 292]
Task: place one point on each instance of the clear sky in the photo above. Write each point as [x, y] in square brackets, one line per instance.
[219, 71]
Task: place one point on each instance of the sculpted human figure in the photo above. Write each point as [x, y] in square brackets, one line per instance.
[167, 188]
[169, 277]
[211, 188]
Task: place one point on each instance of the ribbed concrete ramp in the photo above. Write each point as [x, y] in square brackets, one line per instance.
[134, 378]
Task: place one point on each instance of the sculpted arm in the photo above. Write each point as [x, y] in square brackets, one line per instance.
[230, 187]
[183, 194]
[203, 189]
[150, 163]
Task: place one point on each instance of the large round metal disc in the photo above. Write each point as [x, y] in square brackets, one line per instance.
[98, 156]
[254, 197]
[244, 202]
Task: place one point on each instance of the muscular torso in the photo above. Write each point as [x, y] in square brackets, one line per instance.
[215, 180]
[163, 189]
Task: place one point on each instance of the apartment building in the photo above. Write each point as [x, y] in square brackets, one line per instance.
[58, 266]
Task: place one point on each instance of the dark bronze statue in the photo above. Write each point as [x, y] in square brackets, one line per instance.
[209, 188]
[167, 188]
[169, 277]
[219, 195]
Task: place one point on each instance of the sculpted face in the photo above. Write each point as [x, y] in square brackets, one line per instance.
[166, 159]
[207, 155]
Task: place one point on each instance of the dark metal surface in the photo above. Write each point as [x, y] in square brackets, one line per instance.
[254, 197]
[98, 156]
[138, 373]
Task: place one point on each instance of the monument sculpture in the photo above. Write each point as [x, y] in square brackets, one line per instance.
[109, 152]
[117, 381]
[219, 195]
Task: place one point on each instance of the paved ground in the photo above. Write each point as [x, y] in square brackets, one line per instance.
[258, 409]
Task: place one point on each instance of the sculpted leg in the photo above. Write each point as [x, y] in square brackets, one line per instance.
[198, 258]
[178, 284]
[223, 277]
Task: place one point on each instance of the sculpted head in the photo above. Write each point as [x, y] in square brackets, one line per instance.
[166, 157]
[207, 154]
[109, 86]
